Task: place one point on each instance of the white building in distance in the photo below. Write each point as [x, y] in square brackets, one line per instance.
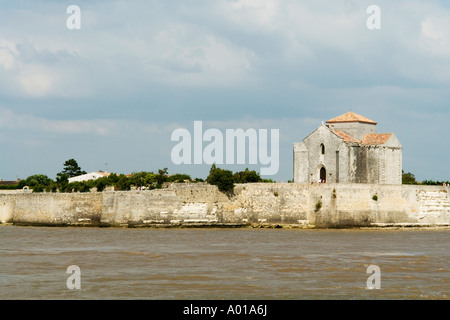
[89, 176]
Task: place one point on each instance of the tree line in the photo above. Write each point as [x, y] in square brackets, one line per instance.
[409, 178]
[223, 179]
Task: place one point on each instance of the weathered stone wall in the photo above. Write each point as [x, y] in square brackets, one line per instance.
[56, 208]
[320, 205]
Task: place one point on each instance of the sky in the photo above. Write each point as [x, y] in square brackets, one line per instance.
[111, 93]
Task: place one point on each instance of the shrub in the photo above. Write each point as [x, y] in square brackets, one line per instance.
[123, 184]
[101, 184]
[34, 180]
[179, 177]
[221, 178]
[318, 205]
[38, 188]
[246, 176]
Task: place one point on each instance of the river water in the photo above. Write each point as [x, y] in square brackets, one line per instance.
[168, 264]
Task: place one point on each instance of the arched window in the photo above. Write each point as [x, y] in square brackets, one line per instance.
[322, 149]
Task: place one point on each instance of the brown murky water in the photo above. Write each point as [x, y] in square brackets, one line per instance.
[223, 263]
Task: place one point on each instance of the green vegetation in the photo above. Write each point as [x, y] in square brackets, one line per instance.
[35, 180]
[10, 187]
[435, 183]
[225, 179]
[408, 178]
[246, 176]
[318, 205]
[221, 178]
[71, 169]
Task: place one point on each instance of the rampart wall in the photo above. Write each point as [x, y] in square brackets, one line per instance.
[305, 205]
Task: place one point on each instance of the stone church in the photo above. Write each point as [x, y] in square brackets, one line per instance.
[348, 149]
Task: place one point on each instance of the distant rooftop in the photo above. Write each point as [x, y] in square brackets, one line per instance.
[351, 117]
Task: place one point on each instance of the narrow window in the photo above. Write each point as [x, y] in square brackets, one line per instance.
[322, 149]
[337, 166]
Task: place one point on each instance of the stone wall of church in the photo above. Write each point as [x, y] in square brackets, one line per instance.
[308, 157]
[375, 164]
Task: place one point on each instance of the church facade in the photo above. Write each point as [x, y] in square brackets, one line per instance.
[348, 149]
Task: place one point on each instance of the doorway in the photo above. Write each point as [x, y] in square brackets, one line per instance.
[323, 175]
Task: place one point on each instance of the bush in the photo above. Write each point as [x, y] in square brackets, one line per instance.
[246, 176]
[123, 184]
[38, 188]
[34, 180]
[179, 177]
[318, 205]
[10, 187]
[101, 184]
[408, 178]
[221, 178]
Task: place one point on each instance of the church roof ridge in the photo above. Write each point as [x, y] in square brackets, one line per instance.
[351, 117]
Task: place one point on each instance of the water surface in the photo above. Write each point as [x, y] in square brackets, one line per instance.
[223, 263]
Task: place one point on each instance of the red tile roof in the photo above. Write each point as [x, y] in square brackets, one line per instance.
[345, 136]
[376, 138]
[369, 139]
[351, 117]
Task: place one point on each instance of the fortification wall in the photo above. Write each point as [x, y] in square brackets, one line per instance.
[319, 205]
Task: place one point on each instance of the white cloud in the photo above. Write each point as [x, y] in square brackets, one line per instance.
[436, 35]
[35, 82]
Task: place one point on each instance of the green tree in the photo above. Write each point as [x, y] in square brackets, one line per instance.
[35, 180]
[408, 178]
[101, 183]
[62, 178]
[178, 177]
[161, 177]
[113, 179]
[71, 169]
[246, 176]
[221, 178]
[124, 183]
[138, 178]
[38, 188]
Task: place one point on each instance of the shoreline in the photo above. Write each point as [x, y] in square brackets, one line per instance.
[232, 226]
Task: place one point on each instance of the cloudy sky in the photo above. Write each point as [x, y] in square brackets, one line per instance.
[111, 93]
